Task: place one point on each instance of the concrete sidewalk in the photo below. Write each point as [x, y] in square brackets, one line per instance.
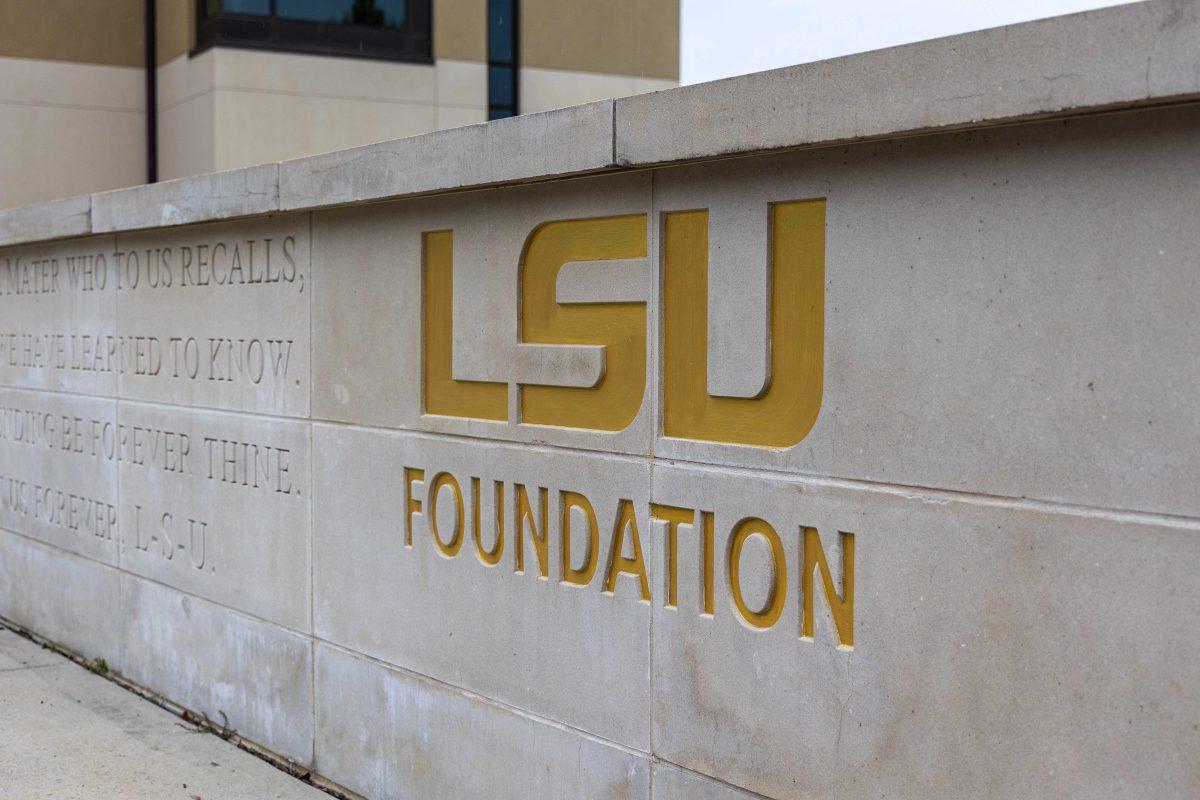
[67, 734]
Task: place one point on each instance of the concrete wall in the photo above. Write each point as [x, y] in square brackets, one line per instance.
[864, 431]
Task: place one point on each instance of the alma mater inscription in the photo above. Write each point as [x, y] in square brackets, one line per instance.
[219, 263]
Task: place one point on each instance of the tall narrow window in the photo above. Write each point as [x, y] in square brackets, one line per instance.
[503, 20]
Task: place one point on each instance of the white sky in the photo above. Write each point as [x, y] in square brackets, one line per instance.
[733, 37]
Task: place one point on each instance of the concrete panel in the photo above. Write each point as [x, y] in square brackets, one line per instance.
[218, 315]
[538, 643]
[1117, 57]
[58, 470]
[218, 505]
[994, 648]
[72, 601]
[219, 663]
[385, 733]
[985, 330]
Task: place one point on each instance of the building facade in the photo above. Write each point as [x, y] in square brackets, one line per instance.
[241, 82]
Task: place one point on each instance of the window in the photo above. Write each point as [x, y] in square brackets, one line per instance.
[397, 30]
[503, 18]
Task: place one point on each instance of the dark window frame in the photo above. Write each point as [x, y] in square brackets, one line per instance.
[512, 67]
[411, 43]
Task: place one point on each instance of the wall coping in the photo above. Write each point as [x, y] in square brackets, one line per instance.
[1117, 58]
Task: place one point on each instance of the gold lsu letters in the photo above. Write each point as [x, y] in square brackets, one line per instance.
[780, 416]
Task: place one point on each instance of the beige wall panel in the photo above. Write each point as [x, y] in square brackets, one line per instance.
[455, 117]
[460, 29]
[265, 106]
[187, 116]
[71, 129]
[461, 84]
[187, 137]
[627, 37]
[32, 81]
[86, 31]
[546, 89]
[186, 77]
[288, 126]
[323, 76]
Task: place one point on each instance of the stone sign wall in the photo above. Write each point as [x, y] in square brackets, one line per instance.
[862, 470]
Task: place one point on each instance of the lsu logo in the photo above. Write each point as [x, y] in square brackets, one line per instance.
[780, 416]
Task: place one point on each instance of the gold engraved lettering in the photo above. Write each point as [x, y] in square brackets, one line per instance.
[674, 516]
[581, 576]
[786, 410]
[618, 562]
[706, 530]
[620, 327]
[842, 608]
[411, 504]
[442, 479]
[487, 557]
[538, 532]
[768, 615]
[444, 395]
